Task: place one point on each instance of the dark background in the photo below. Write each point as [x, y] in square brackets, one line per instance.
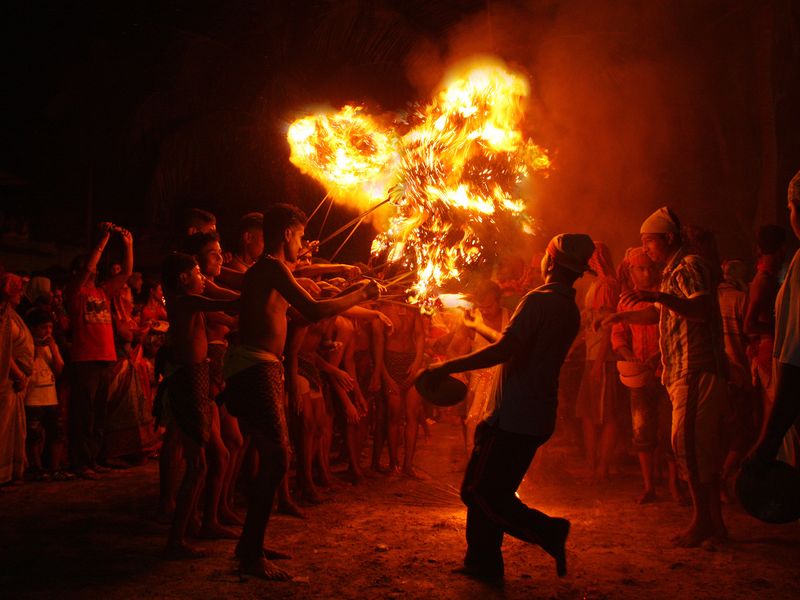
[133, 111]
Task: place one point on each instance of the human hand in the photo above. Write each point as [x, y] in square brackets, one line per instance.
[309, 285]
[20, 384]
[343, 379]
[371, 290]
[350, 413]
[606, 321]
[633, 296]
[472, 318]
[351, 271]
[126, 235]
[387, 322]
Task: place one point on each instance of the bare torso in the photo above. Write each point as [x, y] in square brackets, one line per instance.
[262, 320]
[404, 320]
[187, 333]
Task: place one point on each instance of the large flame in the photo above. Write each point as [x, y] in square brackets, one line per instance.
[349, 152]
[453, 175]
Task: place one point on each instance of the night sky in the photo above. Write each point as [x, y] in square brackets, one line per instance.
[132, 111]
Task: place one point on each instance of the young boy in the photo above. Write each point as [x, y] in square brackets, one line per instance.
[187, 384]
[254, 372]
[45, 432]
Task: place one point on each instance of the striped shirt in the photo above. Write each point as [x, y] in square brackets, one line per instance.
[689, 346]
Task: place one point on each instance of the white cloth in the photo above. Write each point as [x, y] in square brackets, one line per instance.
[16, 343]
[42, 385]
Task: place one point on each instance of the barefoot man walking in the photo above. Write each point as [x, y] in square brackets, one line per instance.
[254, 372]
[531, 349]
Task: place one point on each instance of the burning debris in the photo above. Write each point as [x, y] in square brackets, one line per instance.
[452, 171]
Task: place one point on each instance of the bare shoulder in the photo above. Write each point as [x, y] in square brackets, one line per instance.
[265, 271]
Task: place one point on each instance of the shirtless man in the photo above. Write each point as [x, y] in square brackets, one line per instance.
[206, 249]
[402, 359]
[187, 386]
[254, 373]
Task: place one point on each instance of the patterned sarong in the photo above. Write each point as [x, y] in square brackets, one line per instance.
[398, 363]
[189, 401]
[255, 397]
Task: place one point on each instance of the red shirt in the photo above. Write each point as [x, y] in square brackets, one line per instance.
[641, 339]
[92, 329]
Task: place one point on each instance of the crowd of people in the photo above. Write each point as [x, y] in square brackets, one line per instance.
[256, 366]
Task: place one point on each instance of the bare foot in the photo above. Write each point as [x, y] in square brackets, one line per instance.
[268, 554]
[648, 497]
[217, 532]
[275, 555]
[393, 471]
[182, 550]
[290, 508]
[378, 470]
[692, 537]
[412, 473]
[263, 569]
[356, 476]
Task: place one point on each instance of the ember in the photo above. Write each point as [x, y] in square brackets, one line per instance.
[452, 175]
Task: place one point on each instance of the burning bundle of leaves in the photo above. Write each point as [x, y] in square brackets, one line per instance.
[452, 175]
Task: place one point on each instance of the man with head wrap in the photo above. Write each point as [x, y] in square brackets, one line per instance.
[531, 350]
[693, 362]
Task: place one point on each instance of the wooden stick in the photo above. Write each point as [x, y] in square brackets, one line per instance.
[325, 220]
[321, 202]
[347, 239]
[347, 225]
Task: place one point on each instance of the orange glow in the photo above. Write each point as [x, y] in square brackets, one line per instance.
[452, 175]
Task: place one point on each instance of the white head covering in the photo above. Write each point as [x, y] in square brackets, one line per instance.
[661, 221]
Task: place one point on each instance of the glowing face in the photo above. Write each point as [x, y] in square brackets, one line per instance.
[656, 247]
[254, 243]
[42, 332]
[211, 259]
[193, 281]
[488, 305]
[157, 293]
[294, 242]
[643, 277]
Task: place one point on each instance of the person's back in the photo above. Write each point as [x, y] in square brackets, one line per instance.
[545, 324]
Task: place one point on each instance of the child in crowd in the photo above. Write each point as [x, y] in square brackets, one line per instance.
[45, 437]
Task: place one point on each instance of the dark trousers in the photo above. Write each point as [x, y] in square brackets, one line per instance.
[498, 463]
[86, 410]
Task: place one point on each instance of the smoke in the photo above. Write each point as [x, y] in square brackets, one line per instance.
[641, 104]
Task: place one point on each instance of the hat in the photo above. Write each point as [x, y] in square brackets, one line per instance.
[661, 221]
[572, 251]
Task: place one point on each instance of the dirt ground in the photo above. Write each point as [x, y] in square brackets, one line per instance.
[389, 538]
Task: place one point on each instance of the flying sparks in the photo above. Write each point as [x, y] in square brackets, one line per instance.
[453, 174]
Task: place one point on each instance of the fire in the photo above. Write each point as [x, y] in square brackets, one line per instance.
[349, 152]
[453, 174]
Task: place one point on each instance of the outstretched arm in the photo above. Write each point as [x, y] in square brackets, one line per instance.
[488, 356]
[696, 308]
[316, 310]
